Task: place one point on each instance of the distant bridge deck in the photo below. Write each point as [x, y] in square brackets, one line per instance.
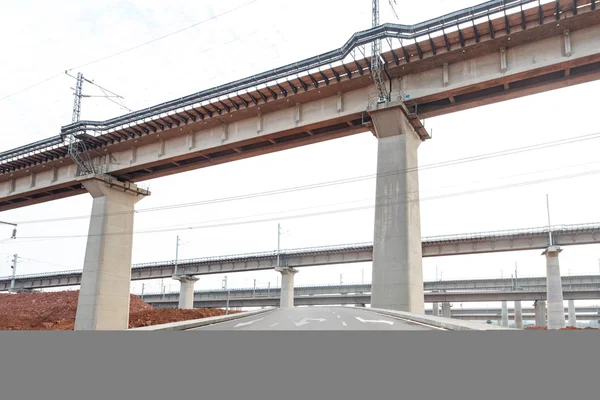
[473, 243]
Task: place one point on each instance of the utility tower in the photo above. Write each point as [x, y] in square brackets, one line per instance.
[376, 65]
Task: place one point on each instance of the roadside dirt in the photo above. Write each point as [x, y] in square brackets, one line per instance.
[56, 311]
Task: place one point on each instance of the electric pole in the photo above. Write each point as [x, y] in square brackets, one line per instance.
[176, 256]
[14, 272]
[376, 65]
[14, 232]
[278, 243]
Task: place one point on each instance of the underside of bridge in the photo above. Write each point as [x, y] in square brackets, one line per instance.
[462, 60]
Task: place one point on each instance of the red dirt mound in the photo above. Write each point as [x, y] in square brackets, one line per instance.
[56, 311]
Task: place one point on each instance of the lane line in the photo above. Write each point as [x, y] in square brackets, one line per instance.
[345, 324]
[339, 316]
[276, 323]
[408, 320]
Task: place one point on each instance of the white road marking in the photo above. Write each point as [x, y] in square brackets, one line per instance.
[248, 323]
[276, 323]
[345, 324]
[413, 322]
[304, 321]
[339, 316]
[379, 321]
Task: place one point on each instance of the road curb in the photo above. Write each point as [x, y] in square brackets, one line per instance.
[195, 323]
[439, 322]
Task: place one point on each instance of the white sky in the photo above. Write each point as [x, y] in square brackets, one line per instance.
[262, 35]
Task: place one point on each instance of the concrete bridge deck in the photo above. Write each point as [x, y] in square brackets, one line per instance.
[461, 244]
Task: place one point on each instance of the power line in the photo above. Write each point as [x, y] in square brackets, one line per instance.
[131, 48]
[463, 160]
[329, 212]
[165, 36]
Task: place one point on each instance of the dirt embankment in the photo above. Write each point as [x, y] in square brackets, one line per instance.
[56, 311]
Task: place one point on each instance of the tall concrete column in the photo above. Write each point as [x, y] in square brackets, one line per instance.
[572, 315]
[504, 320]
[540, 312]
[446, 313]
[287, 286]
[556, 307]
[397, 281]
[436, 310]
[518, 315]
[186, 292]
[104, 295]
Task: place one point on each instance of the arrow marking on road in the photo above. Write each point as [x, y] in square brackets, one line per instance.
[248, 323]
[380, 321]
[305, 321]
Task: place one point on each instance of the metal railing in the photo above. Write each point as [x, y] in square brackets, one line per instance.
[434, 26]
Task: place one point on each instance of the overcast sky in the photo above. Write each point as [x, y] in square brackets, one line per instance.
[47, 38]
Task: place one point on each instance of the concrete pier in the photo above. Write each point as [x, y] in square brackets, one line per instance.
[436, 310]
[572, 316]
[397, 282]
[556, 307]
[186, 292]
[104, 295]
[504, 314]
[446, 312]
[287, 286]
[540, 312]
[518, 315]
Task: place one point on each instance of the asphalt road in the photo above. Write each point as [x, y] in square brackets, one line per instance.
[318, 318]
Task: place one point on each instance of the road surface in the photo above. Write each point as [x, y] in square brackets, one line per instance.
[319, 318]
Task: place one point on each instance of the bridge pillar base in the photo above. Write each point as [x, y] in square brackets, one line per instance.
[540, 312]
[104, 295]
[436, 310]
[397, 282]
[556, 306]
[572, 315]
[446, 312]
[518, 315]
[186, 292]
[287, 286]
[504, 314]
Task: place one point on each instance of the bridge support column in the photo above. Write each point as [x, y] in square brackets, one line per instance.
[104, 295]
[287, 286]
[572, 315]
[540, 312]
[504, 320]
[518, 315]
[436, 310]
[186, 292]
[446, 313]
[554, 296]
[397, 280]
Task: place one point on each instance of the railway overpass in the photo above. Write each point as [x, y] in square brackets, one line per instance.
[461, 244]
[218, 298]
[461, 60]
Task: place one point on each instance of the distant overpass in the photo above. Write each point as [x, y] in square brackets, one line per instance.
[462, 244]
[218, 299]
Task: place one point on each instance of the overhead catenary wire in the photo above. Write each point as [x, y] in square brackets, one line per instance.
[457, 161]
[328, 212]
[131, 48]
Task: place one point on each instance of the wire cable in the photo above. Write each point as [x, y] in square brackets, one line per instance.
[447, 163]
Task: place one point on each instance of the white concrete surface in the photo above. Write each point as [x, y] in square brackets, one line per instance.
[397, 281]
[518, 315]
[540, 313]
[572, 315]
[104, 295]
[504, 321]
[287, 286]
[446, 312]
[186, 292]
[555, 307]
